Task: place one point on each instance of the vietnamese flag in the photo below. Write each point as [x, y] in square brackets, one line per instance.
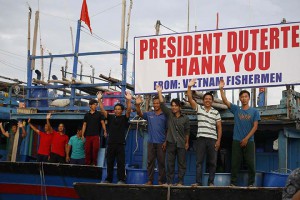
[84, 16]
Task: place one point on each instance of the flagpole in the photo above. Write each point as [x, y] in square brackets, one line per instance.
[74, 74]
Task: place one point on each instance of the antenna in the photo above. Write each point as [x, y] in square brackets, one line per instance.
[93, 74]
[188, 19]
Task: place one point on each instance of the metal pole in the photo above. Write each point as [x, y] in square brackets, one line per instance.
[50, 66]
[124, 71]
[35, 38]
[29, 71]
[188, 17]
[217, 26]
[42, 61]
[72, 40]
[74, 74]
[122, 29]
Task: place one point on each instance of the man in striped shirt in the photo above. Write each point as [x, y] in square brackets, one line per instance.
[208, 135]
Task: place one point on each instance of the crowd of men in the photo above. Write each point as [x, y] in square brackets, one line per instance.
[168, 131]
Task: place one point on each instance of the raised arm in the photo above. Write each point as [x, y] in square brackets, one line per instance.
[224, 99]
[20, 125]
[102, 110]
[5, 133]
[159, 91]
[128, 97]
[33, 127]
[138, 102]
[189, 94]
[163, 107]
[48, 121]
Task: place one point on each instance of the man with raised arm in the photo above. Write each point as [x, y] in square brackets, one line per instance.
[208, 135]
[177, 138]
[157, 130]
[45, 140]
[59, 143]
[116, 132]
[12, 139]
[91, 129]
[245, 124]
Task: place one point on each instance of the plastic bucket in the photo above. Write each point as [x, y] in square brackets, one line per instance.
[224, 179]
[221, 179]
[136, 176]
[275, 179]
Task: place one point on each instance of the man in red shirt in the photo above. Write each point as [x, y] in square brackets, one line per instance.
[45, 140]
[59, 144]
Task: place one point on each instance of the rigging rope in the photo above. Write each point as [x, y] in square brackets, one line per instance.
[63, 18]
[106, 10]
[168, 28]
[101, 39]
[12, 65]
[13, 54]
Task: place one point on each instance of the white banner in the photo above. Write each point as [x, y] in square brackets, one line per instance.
[244, 57]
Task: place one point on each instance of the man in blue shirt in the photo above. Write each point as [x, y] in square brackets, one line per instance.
[76, 142]
[245, 124]
[157, 129]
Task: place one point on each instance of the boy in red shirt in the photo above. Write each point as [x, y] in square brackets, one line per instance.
[45, 140]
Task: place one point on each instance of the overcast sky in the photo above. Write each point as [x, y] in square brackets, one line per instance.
[57, 16]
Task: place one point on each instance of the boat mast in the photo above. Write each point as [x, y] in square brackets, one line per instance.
[122, 29]
[29, 73]
[35, 38]
[74, 74]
